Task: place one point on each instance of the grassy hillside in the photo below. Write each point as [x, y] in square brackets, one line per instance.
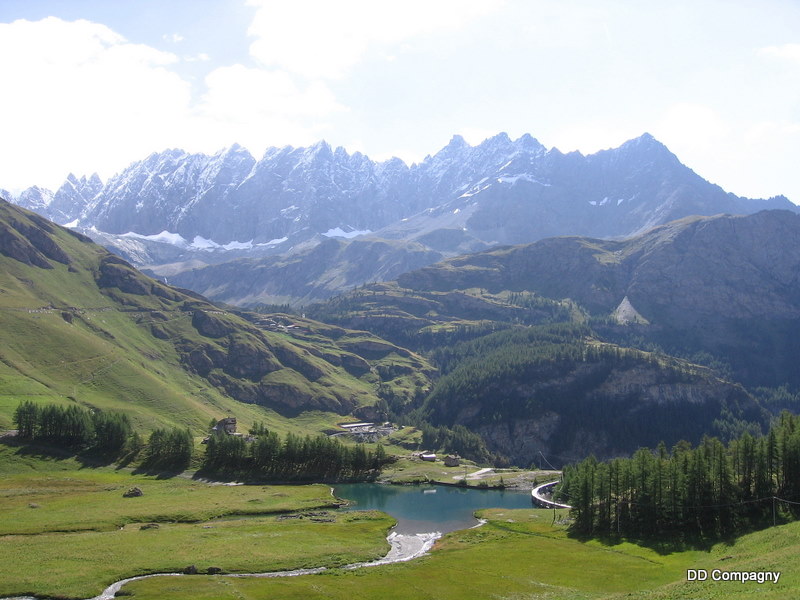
[81, 325]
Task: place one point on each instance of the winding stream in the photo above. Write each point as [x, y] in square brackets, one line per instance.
[423, 513]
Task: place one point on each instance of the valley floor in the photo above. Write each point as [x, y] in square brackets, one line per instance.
[67, 532]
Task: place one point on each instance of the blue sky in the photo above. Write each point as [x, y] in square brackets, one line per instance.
[92, 85]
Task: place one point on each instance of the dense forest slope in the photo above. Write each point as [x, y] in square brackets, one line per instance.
[80, 324]
[558, 394]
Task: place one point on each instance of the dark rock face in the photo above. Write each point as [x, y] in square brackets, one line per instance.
[570, 411]
[210, 325]
[31, 244]
[115, 272]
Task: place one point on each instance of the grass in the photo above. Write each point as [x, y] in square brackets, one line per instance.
[518, 554]
[67, 531]
[39, 494]
[80, 565]
[413, 470]
[521, 554]
[773, 549]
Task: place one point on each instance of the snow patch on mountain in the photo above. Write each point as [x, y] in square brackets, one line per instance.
[165, 237]
[274, 242]
[339, 232]
[512, 179]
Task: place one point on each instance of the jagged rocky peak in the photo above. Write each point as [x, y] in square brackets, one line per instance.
[35, 198]
[643, 148]
[499, 191]
[529, 143]
[73, 197]
[457, 142]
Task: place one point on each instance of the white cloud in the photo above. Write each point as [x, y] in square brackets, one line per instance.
[255, 107]
[695, 127]
[475, 135]
[323, 39]
[80, 96]
[786, 51]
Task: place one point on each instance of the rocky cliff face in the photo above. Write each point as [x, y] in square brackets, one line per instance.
[599, 408]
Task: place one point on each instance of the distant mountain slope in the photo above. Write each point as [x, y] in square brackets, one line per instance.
[190, 210]
[81, 324]
[318, 272]
[728, 285]
[686, 272]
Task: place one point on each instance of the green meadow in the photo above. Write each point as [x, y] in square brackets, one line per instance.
[521, 555]
[67, 531]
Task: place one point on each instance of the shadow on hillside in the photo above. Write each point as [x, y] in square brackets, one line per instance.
[160, 469]
[89, 459]
[54, 453]
[669, 543]
[158, 473]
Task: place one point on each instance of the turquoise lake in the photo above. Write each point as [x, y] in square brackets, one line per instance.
[427, 508]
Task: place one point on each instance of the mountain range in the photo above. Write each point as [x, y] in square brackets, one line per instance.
[175, 212]
[534, 346]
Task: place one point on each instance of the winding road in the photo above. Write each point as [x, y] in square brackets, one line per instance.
[539, 499]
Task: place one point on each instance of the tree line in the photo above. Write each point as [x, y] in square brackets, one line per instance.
[100, 432]
[72, 426]
[714, 488]
[268, 456]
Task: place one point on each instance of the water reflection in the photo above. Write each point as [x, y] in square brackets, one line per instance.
[424, 508]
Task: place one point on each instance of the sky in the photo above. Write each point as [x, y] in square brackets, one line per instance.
[93, 85]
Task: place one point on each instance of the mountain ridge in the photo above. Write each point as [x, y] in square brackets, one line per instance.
[174, 211]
